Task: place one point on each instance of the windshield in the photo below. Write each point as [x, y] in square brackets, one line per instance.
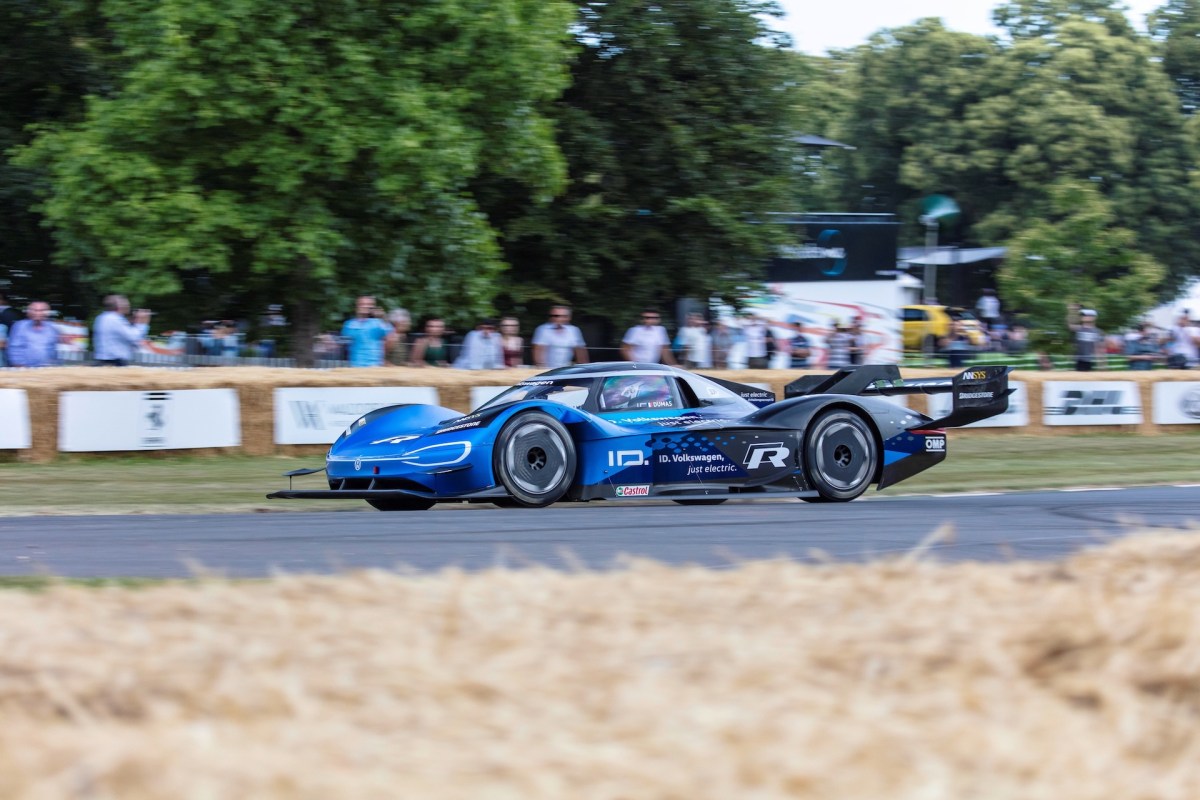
[570, 392]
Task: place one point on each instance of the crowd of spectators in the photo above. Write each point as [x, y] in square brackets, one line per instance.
[375, 338]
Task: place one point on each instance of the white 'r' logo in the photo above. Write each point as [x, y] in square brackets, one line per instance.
[775, 453]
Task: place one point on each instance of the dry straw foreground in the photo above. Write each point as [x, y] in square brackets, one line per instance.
[891, 680]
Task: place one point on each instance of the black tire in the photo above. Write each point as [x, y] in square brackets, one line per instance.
[840, 455]
[401, 503]
[701, 501]
[534, 459]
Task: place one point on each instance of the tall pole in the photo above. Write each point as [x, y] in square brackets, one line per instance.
[931, 238]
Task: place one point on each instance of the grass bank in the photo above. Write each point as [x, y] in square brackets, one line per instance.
[79, 485]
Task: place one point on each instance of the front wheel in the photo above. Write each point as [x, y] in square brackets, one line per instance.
[400, 503]
[534, 459]
[840, 455]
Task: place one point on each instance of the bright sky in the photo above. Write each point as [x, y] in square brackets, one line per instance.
[820, 25]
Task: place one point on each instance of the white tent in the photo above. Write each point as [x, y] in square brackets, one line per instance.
[1188, 300]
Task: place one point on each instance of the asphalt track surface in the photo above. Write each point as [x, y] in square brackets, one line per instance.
[598, 535]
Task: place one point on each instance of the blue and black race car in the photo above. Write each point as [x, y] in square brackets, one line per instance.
[636, 431]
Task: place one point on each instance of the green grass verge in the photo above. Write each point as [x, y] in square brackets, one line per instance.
[989, 461]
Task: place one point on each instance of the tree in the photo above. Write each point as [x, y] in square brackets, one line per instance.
[1176, 27]
[307, 151]
[1077, 253]
[677, 131]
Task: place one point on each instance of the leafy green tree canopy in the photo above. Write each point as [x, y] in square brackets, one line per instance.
[1078, 253]
[678, 129]
[306, 151]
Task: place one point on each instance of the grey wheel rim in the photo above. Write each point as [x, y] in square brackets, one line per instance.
[842, 455]
[535, 458]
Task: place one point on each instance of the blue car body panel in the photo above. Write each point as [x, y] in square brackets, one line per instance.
[645, 431]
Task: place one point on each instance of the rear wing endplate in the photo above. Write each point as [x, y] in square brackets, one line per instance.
[978, 392]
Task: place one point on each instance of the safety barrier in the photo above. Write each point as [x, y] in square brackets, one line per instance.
[276, 411]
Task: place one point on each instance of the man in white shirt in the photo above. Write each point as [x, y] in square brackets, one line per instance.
[114, 336]
[1184, 347]
[648, 343]
[696, 344]
[556, 341]
[757, 334]
[482, 348]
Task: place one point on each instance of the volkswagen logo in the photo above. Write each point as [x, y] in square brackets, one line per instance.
[1190, 403]
[357, 464]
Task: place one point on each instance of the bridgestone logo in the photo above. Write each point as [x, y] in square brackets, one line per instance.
[976, 395]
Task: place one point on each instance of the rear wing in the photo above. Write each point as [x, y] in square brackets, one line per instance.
[978, 392]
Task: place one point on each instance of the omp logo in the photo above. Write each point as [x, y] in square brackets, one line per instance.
[633, 491]
[626, 458]
[935, 444]
[975, 375]
[775, 454]
[1084, 402]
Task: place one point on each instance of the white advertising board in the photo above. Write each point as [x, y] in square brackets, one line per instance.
[178, 419]
[15, 433]
[1017, 415]
[1091, 403]
[318, 415]
[1177, 403]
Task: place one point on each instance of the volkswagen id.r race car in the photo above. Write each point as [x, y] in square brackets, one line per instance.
[640, 431]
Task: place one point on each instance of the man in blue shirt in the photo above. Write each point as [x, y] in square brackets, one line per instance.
[114, 337]
[366, 334]
[33, 342]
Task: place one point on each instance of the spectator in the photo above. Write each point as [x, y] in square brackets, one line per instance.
[988, 307]
[758, 342]
[957, 346]
[694, 343]
[114, 336]
[397, 351]
[1184, 344]
[858, 341]
[648, 343]
[1142, 348]
[482, 348]
[3, 345]
[1089, 341]
[8, 317]
[431, 349]
[839, 343]
[511, 342]
[722, 342]
[367, 334]
[224, 341]
[556, 341]
[33, 342]
[799, 350]
[1017, 340]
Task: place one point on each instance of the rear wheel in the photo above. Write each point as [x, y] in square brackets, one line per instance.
[534, 459]
[840, 455]
[400, 503]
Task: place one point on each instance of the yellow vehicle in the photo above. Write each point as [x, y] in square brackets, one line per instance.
[924, 326]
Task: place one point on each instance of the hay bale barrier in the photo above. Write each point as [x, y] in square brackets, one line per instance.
[897, 679]
[255, 387]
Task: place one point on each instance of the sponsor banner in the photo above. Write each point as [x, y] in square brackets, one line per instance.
[1091, 403]
[481, 394]
[318, 415]
[1177, 403]
[1017, 415]
[15, 433]
[179, 419]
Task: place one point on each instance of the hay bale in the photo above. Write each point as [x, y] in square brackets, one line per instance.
[898, 679]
